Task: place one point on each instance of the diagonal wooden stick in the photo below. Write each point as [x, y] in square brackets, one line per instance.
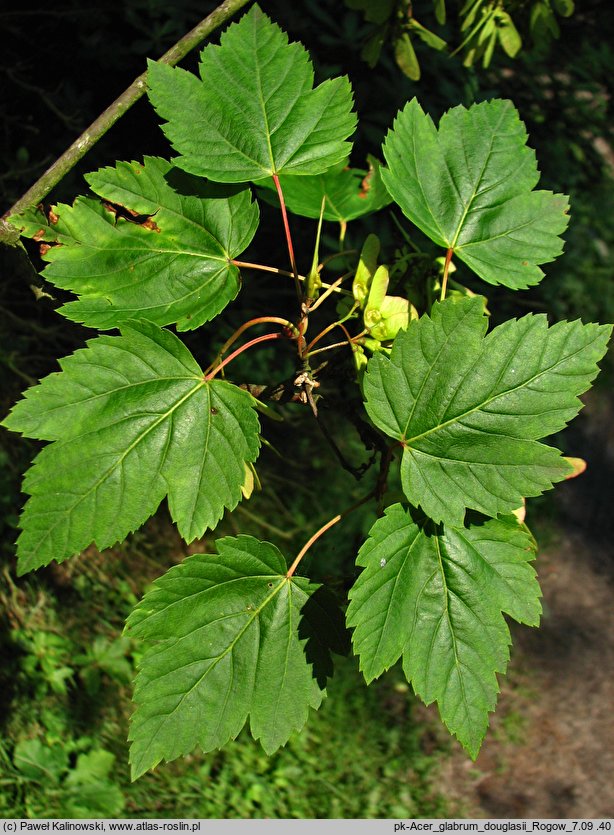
[115, 111]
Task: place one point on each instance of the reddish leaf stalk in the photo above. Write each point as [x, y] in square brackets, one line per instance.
[257, 321]
[323, 530]
[265, 338]
[284, 214]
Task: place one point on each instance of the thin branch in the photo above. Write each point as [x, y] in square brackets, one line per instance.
[356, 472]
[328, 329]
[330, 289]
[258, 520]
[382, 478]
[248, 265]
[106, 120]
[332, 257]
[328, 348]
[404, 234]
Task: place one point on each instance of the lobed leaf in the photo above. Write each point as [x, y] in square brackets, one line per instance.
[435, 596]
[132, 420]
[255, 112]
[469, 409]
[468, 186]
[168, 260]
[229, 636]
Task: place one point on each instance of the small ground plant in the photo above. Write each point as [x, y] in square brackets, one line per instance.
[456, 408]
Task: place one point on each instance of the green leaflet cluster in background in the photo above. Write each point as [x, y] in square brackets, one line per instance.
[83, 791]
[483, 26]
[133, 418]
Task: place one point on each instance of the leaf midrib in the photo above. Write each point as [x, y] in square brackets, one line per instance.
[105, 475]
[265, 116]
[281, 684]
[203, 458]
[446, 614]
[489, 400]
[408, 550]
[86, 302]
[255, 613]
[147, 250]
[467, 206]
[432, 365]
[202, 591]
[339, 214]
[110, 392]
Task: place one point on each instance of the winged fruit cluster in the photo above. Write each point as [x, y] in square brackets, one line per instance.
[132, 418]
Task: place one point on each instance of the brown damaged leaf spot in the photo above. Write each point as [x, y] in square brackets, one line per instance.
[45, 247]
[123, 213]
[53, 217]
[365, 185]
[39, 235]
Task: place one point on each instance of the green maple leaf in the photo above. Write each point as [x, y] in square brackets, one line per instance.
[172, 267]
[132, 420]
[469, 409]
[469, 187]
[229, 636]
[255, 112]
[349, 193]
[435, 596]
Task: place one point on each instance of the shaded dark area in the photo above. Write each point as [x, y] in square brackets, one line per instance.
[586, 503]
